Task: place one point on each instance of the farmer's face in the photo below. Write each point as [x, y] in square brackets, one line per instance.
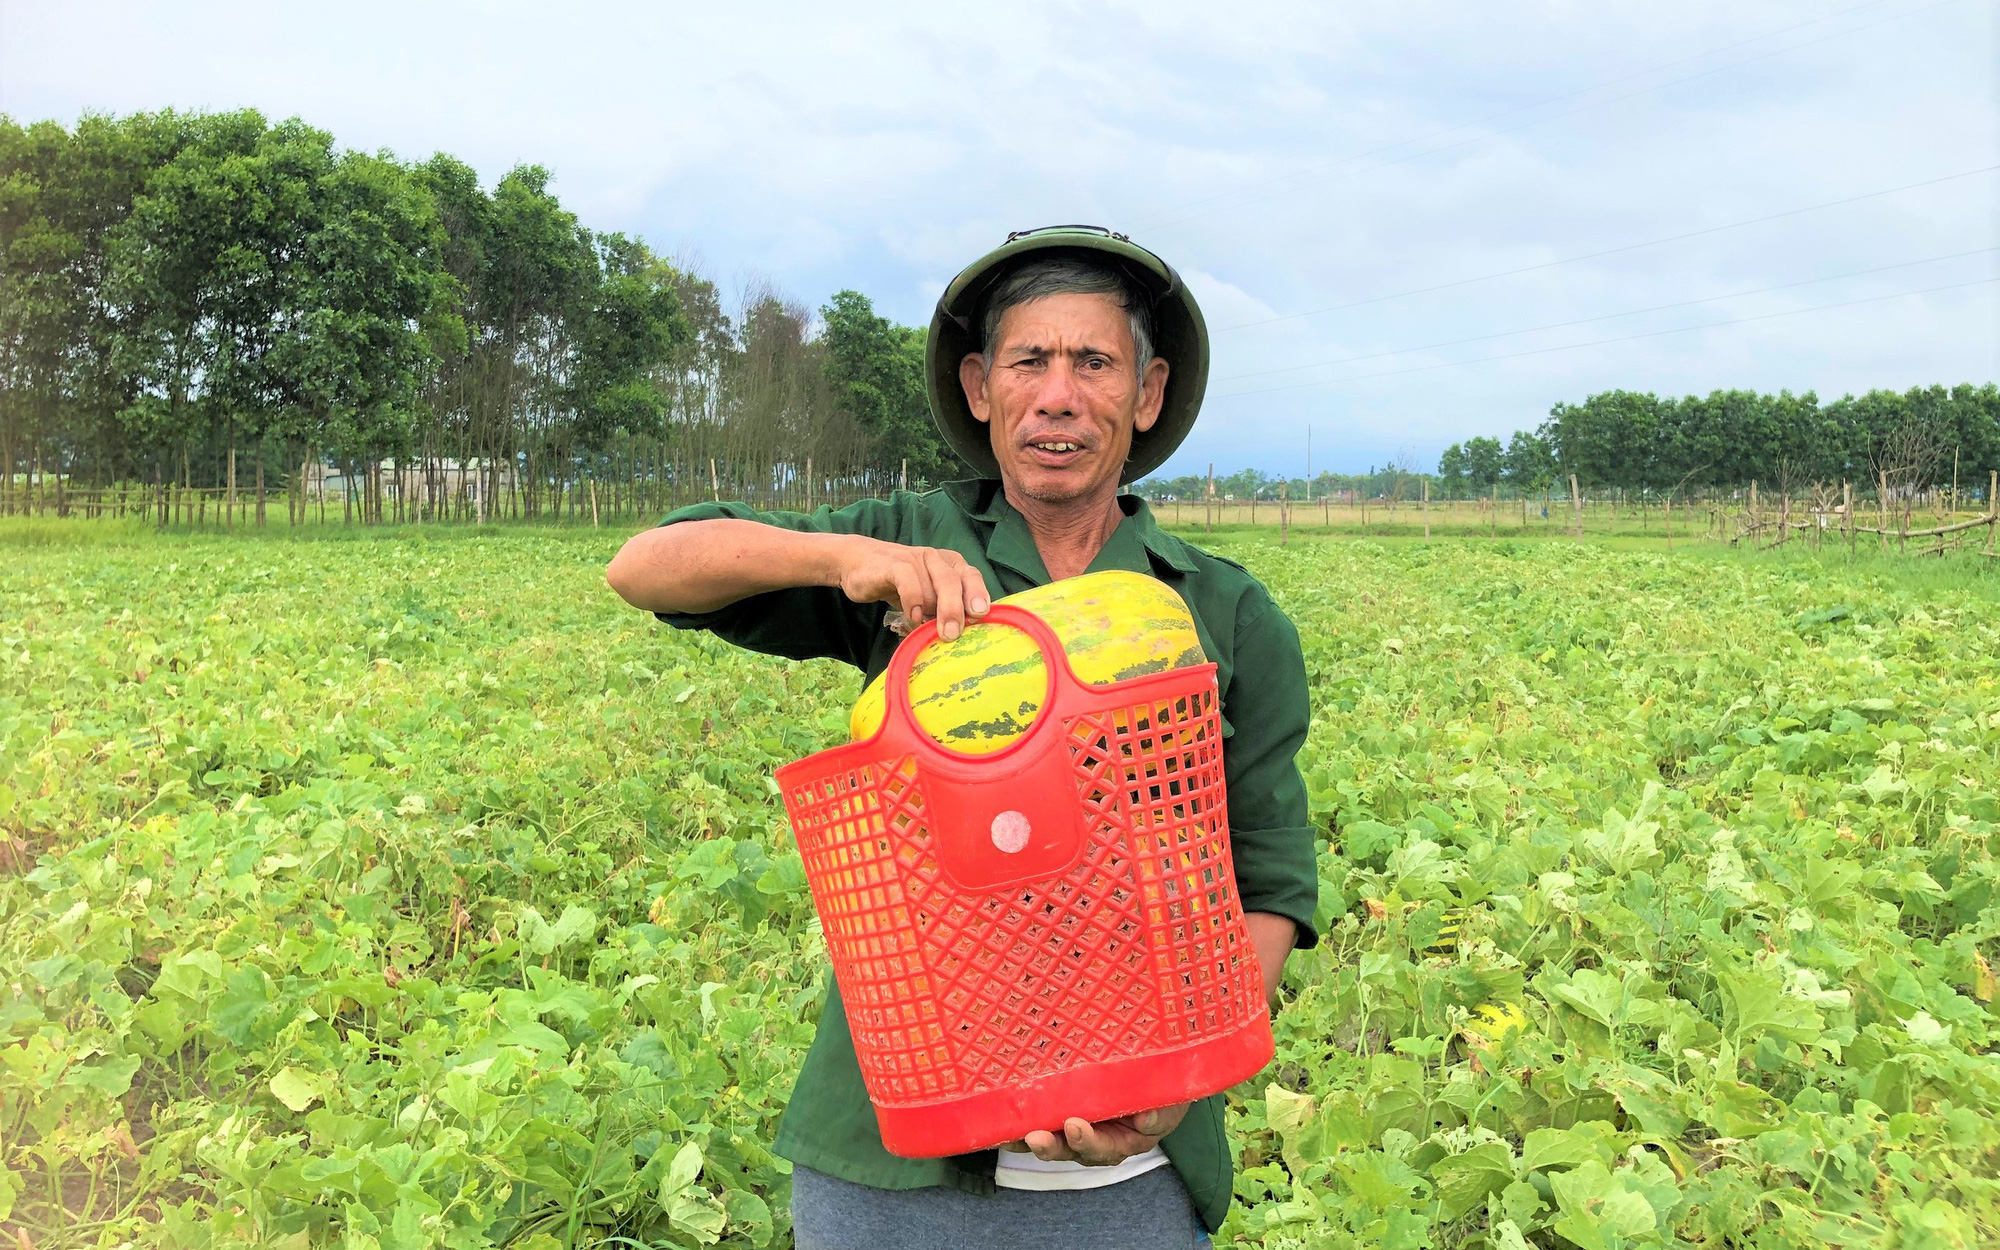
[1061, 399]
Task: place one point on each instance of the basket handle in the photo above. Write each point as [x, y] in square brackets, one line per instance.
[1055, 660]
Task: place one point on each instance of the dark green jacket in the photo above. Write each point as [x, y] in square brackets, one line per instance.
[829, 1125]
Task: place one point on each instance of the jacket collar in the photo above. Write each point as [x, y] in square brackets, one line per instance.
[1137, 545]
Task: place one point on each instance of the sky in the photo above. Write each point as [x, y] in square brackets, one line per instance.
[1408, 223]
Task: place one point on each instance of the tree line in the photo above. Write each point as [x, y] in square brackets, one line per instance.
[178, 289]
[1392, 482]
[1643, 444]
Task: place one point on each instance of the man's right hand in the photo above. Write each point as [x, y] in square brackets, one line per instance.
[699, 566]
[920, 582]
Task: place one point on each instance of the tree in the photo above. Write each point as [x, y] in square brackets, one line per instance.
[1451, 471]
[630, 321]
[878, 373]
[60, 195]
[1485, 460]
[1530, 465]
[191, 284]
[354, 343]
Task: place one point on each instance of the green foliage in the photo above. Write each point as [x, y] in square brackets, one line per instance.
[175, 288]
[1632, 441]
[878, 369]
[408, 891]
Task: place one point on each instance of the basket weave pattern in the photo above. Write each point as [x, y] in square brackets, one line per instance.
[1137, 948]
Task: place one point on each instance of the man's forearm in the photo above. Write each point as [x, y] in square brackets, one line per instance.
[1273, 936]
[699, 566]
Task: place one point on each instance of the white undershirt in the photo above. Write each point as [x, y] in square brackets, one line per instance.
[1024, 1171]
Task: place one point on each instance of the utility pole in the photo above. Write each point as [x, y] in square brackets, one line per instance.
[1309, 464]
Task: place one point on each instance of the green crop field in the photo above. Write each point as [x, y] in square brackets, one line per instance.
[407, 890]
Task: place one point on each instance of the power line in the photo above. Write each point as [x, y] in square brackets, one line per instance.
[1177, 216]
[1626, 338]
[1558, 325]
[1610, 251]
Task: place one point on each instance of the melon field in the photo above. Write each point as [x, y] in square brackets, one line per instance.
[407, 890]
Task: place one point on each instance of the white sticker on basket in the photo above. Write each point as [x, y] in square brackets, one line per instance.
[1010, 832]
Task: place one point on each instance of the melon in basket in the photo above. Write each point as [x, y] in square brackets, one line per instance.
[981, 691]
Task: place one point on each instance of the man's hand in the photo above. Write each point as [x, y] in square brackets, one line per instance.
[1105, 1143]
[920, 582]
[699, 566]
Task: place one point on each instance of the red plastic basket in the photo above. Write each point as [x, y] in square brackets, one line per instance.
[1048, 931]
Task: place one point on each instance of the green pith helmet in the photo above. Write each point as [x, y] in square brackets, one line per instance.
[1180, 338]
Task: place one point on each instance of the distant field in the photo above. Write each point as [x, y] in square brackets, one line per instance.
[402, 888]
[1514, 518]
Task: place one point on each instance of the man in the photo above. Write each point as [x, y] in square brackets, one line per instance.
[1061, 365]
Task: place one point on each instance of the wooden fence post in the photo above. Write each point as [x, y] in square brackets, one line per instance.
[1882, 507]
[1284, 516]
[1427, 509]
[1847, 513]
[1992, 507]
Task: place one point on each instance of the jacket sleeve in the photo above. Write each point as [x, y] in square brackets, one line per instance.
[1271, 836]
[804, 622]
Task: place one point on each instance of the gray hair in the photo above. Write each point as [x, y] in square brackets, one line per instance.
[1066, 275]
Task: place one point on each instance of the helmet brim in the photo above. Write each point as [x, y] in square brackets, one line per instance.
[1179, 333]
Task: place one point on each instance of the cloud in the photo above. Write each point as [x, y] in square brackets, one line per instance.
[1285, 157]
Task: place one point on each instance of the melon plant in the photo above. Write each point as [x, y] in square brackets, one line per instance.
[981, 691]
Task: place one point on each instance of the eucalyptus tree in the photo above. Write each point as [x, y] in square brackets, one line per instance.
[200, 271]
[61, 194]
[877, 368]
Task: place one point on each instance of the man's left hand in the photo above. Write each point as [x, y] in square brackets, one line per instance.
[1106, 1142]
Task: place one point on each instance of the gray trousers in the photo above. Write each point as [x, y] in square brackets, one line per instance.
[1148, 1212]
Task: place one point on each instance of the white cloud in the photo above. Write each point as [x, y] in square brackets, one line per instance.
[1261, 147]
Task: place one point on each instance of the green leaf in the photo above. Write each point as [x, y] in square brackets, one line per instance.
[1600, 1211]
[536, 1037]
[698, 1215]
[295, 1088]
[1546, 1148]
[786, 875]
[683, 1171]
[110, 1078]
[1598, 995]
[1755, 1002]
[576, 924]
[1736, 1109]
[748, 1215]
[1285, 1111]
[188, 974]
[1464, 1180]
[1522, 1202]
